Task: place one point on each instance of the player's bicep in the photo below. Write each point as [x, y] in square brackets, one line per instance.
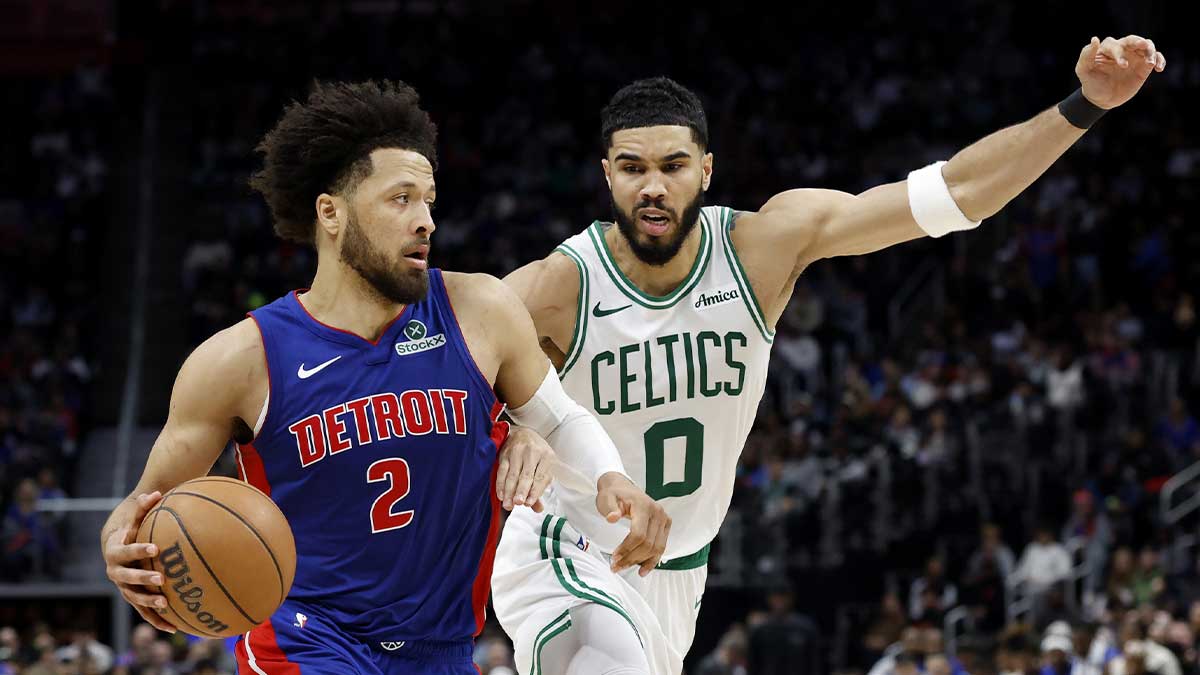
[847, 224]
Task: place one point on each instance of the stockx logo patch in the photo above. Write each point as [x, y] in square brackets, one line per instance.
[415, 330]
[417, 339]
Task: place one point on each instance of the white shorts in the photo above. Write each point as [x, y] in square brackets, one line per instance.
[545, 567]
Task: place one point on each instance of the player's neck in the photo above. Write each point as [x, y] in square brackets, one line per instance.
[655, 280]
[342, 299]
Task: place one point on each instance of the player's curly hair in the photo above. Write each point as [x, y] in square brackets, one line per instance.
[653, 102]
[324, 145]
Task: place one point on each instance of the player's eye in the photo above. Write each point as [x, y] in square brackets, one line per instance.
[403, 199]
[630, 168]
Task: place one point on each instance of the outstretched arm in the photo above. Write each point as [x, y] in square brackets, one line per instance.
[974, 184]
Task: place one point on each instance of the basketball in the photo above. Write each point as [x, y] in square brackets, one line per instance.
[226, 554]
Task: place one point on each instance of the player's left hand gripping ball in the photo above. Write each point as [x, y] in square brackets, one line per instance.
[1112, 71]
[525, 471]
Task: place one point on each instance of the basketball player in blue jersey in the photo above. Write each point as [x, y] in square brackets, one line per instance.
[661, 324]
[366, 406]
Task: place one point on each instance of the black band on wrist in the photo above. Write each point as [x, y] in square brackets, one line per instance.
[1079, 111]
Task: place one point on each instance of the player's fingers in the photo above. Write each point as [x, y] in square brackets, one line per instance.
[155, 619]
[1160, 62]
[608, 506]
[635, 539]
[1088, 53]
[642, 553]
[120, 554]
[1149, 51]
[139, 598]
[538, 507]
[507, 482]
[542, 475]
[524, 483]
[133, 575]
[1113, 50]
[658, 546]
[145, 502]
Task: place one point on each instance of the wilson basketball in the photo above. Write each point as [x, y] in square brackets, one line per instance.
[226, 554]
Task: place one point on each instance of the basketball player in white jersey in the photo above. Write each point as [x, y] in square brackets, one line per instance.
[662, 325]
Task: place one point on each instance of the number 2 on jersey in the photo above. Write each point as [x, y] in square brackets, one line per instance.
[692, 431]
[395, 471]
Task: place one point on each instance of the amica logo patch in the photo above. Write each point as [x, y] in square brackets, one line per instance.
[716, 297]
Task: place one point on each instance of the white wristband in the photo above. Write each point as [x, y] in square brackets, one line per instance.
[578, 439]
[932, 205]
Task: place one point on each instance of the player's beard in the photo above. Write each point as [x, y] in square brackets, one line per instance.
[658, 251]
[392, 280]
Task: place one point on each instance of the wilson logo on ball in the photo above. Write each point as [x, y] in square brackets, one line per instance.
[175, 567]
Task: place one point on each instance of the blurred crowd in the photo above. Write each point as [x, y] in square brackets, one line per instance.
[968, 436]
[53, 218]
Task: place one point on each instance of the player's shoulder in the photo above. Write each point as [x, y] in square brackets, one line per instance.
[234, 347]
[471, 292]
[800, 204]
[226, 367]
[547, 285]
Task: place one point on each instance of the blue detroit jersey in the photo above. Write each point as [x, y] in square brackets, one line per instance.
[382, 455]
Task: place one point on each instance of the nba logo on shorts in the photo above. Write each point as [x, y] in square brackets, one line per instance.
[300, 620]
[582, 544]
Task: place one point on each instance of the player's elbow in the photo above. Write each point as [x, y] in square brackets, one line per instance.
[975, 200]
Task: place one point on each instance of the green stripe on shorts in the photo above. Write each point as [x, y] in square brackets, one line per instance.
[560, 623]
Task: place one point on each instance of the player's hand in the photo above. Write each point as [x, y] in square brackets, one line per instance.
[526, 469]
[140, 587]
[619, 498]
[1112, 71]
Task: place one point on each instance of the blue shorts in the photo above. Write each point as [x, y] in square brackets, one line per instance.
[297, 640]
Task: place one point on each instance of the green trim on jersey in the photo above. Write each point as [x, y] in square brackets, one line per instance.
[743, 280]
[687, 562]
[556, 627]
[638, 295]
[581, 313]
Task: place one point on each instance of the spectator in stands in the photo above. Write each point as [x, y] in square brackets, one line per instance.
[1057, 655]
[932, 595]
[1090, 526]
[910, 648]
[992, 547]
[729, 658]
[984, 591]
[86, 652]
[29, 543]
[786, 642]
[1179, 432]
[1044, 563]
[139, 656]
[1148, 581]
[887, 627]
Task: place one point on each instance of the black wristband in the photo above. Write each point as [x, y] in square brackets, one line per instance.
[1079, 111]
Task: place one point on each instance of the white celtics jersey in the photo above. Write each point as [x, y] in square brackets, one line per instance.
[675, 380]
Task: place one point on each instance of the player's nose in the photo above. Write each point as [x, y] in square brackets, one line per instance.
[423, 222]
[655, 188]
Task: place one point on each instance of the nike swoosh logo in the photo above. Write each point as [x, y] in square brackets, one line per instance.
[597, 312]
[305, 374]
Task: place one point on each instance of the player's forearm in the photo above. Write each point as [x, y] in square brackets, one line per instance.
[987, 174]
[578, 439]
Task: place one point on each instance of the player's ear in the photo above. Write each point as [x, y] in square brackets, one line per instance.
[607, 172]
[706, 168]
[329, 214]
